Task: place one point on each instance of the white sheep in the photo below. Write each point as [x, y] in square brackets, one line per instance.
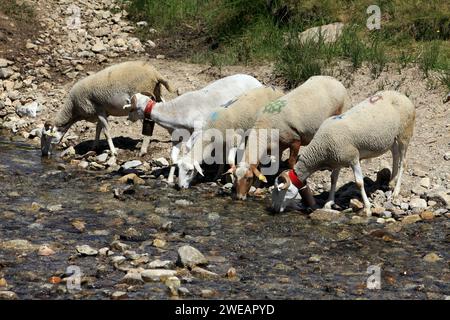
[297, 116]
[228, 127]
[383, 122]
[100, 95]
[190, 111]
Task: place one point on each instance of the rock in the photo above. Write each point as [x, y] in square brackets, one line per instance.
[441, 196]
[231, 273]
[45, 251]
[6, 73]
[157, 274]
[8, 295]
[327, 215]
[427, 215]
[111, 161]
[131, 164]
[119, 246]
[159, 243]
[329, 33]
[4, 63]
[79, 225]
[98, 47]
[160, 56]
[314, 259]
[173, 283]
[29, 110]
[425, 182]
[83, 164]
[3, 283]
[119, 295]
[133, 277]
[118, 259]
[101, 158]
[432, 257]
[161, 162]
[411, 219]
[158, 264]
[142, 23]
[381, 221]
[190, 257]
[356, 205]
[54, 207]
[417, 203]
[18, 245]
[151, 44]
[104, 251]
[203, 273]
[69, 152]
[207, 293]
[183, 203]
[86, 250]
[133, 178]
[404, 206]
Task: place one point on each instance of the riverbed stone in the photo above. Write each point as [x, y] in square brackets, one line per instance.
[418, 203]
[131, 164]
[190, 257]
[411, 219]
[432, 257]
[327, 215]
[150, 275]
[20, 245]
[8, 295]
[86, 250]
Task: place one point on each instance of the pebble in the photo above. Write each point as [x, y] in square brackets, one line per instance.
[203, 273]
[131, 164]
[150, 275]
[447, 156]
[102, 158]
[356, 205]
[120, 246]
[314, 259]
[381, 221]
[3, 283]
[158, 264]
[133, 178]
[427, 215]
[431, 257]
[417, 203]
[18, 245]
[159, 243]
[425, 182]
[83, 164]
[133, 277]
[411, 219]
[183, 203]
[161, 162]
[8, 295]
[173, 283]
[119, 295]
[86, 250]
[189, 256]
[45, 251]
[6, 73]
[327, 215]
[231, 273]
[207, 293]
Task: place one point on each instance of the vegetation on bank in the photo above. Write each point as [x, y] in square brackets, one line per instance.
[245, 32]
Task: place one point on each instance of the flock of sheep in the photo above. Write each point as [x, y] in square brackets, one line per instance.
[317, 115]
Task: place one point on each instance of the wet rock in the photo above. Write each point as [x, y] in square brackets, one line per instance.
[132, 177]
[158, 264]
[411, 219]
[183, 203]
[105, 251]
[79, 225]
[173, 283]
[381, 221]
[432, 257]
[55, 207]
[119, 246]
[314, 259]
[327, 215]
[131, 164]
[3, 283]
[119, 295]
[133, 277]
[8, 295]
[231, 273]
[86, 250]
[18, 245]
[417, 203]
[157, 274]
[118, 260]
[207, 293]
[203, 273]
[184, 291]
[83, 164]
[427, 215]
[159, 243]
[45, 251]
[189, 256]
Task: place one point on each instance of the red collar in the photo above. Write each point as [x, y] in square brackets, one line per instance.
[149, 108]
[295, 180]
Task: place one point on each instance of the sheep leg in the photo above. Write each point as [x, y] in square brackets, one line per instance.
[293, 153]
[98, 131]
[144, 147]
[395, 164]
[174, 153]
[402, 159]
[331, 197]
[360, 183]
[104, 123]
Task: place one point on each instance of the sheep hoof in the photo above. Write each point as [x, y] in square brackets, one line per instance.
[368, 212]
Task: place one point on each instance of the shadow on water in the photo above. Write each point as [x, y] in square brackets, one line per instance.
[285, 256]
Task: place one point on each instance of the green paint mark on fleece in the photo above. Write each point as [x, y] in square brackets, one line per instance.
[275, 106]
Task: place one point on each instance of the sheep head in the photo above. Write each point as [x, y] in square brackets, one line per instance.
[50, 136]
[244, 176]
[187, 170]
[136, 106]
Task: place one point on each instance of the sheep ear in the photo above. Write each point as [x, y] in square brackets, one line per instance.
[198, 168]
[127, 107]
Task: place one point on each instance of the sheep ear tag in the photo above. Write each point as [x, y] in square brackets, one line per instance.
[148, 125]
[262, 178]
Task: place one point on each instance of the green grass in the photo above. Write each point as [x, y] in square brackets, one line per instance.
[258, 31]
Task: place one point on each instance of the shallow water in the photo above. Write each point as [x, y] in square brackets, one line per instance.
[286, 256]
